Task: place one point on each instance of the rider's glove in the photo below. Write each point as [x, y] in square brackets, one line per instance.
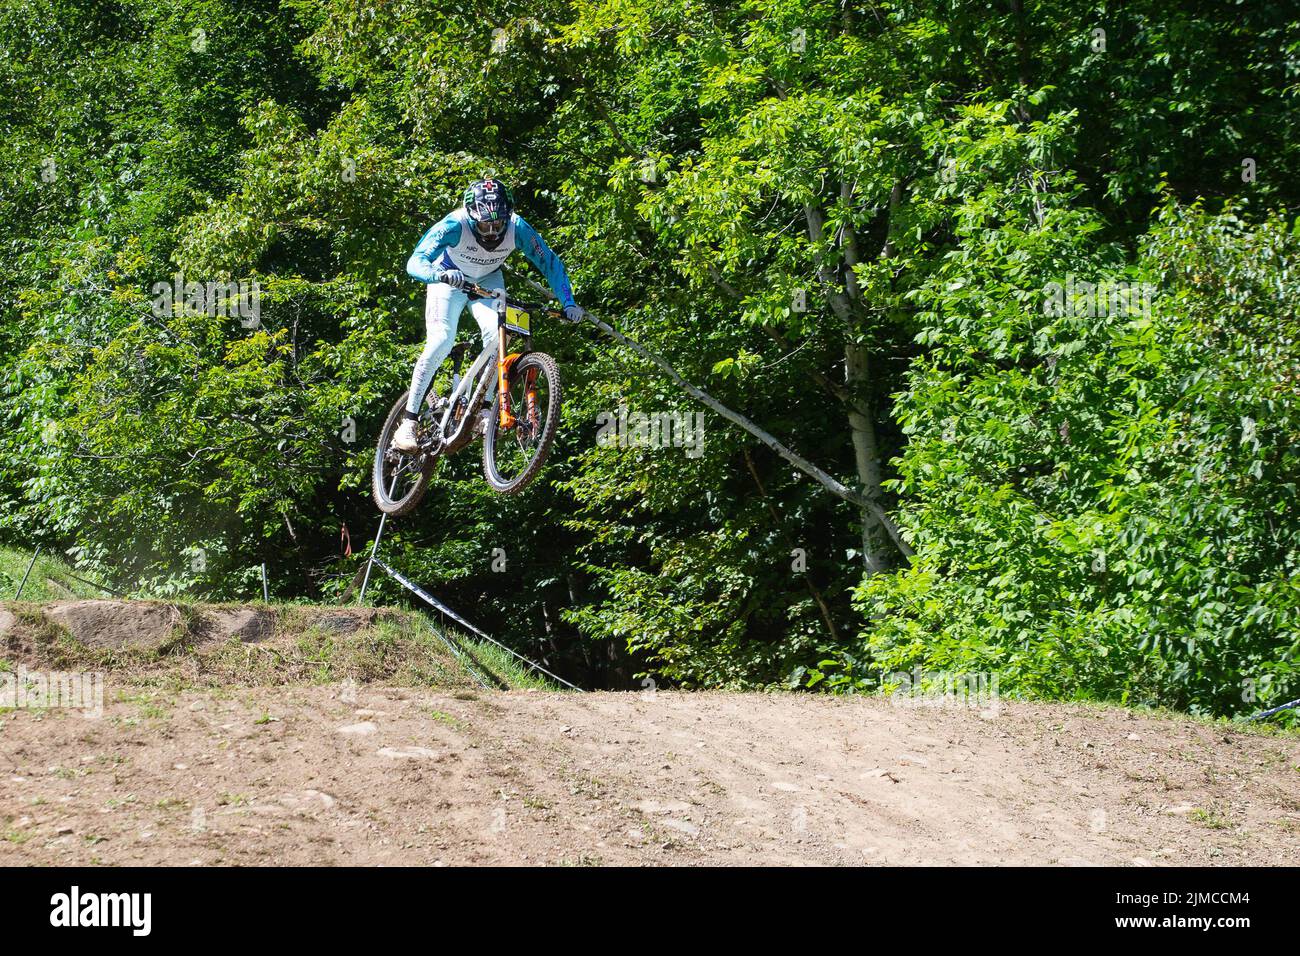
[453, 277]
[573, 313]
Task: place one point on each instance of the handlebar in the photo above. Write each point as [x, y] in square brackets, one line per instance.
[479, 292]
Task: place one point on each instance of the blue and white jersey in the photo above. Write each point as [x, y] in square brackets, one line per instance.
[451, 244]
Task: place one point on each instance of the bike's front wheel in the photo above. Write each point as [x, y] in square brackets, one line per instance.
[399, 480]
[513, 454]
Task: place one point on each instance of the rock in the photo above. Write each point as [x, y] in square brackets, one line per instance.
[250, 625]
[116, 624]
[346, 622]
[681, 826]
[307, 800]
[359, 730]
[408, 753]
[668, 806]
[7, 620]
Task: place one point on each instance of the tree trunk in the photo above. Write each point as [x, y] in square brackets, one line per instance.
[857, 378]
[866, 456]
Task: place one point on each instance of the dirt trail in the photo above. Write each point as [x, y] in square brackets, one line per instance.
[296, 775]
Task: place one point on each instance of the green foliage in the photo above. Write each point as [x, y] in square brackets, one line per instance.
[1103, 504]
[839, 218]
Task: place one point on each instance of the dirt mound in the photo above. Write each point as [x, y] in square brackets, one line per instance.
[248, 625]
[148, 626]
[150, 642]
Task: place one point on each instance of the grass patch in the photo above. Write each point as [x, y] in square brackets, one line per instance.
[1211, 819]
[515, 673]
[452, 722]
[1279, 726]
[148, 706]
[51, 578]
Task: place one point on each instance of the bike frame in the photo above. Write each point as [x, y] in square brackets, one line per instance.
[479, 372]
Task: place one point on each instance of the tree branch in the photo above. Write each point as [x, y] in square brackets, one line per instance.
[835, 487]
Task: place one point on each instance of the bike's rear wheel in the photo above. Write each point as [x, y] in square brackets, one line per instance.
[399, 480]
[513, 456]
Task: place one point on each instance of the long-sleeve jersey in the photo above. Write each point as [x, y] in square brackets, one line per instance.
[451, 244]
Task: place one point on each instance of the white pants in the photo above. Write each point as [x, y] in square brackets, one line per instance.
[442, 309]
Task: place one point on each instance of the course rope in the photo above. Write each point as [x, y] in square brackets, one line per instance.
[435, 603]
[1276, 710]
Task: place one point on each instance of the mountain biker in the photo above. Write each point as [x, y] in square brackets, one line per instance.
[470, 244]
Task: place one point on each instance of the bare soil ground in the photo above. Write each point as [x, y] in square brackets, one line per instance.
[377, 774]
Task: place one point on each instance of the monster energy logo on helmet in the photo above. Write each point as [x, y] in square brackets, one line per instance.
[489, 203]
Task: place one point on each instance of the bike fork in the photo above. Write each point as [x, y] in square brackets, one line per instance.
[507, 418]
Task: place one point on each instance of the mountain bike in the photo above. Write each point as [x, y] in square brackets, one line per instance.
[517, 424]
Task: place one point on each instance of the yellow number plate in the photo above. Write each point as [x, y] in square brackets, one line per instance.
[518, 320]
